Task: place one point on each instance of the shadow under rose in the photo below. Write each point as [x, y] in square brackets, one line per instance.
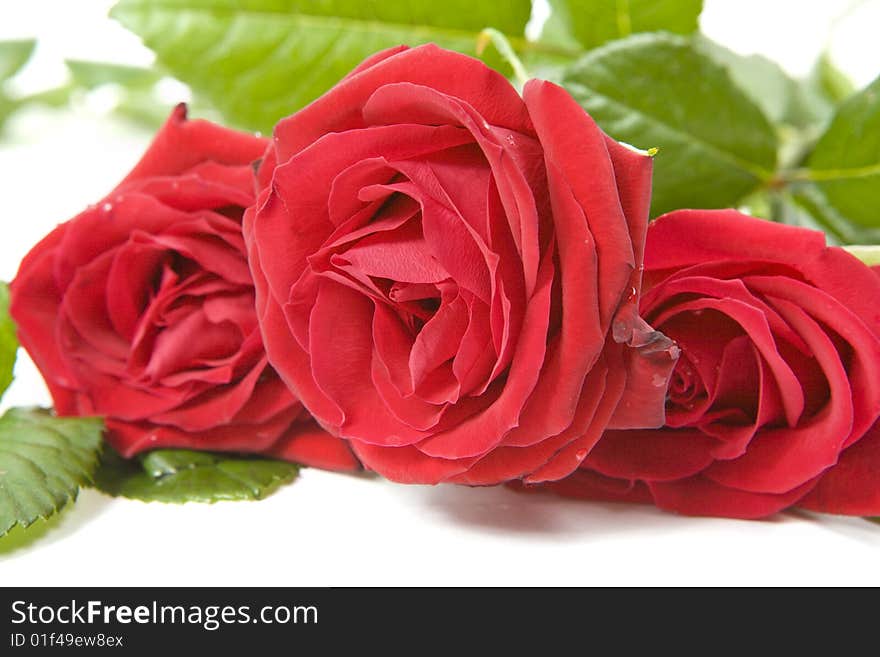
[500, 509]
[859, 529]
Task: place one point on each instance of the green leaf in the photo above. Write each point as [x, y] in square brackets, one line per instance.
[55, 97]
[14, 55]
[43, 462]
[21, 538]
[502, 44]
[146, 111]
[845, 165]
[800, 108]
[795, 106]
[762, 79]
[557, 28]
[659, 90]
[8, 340]
[783, 99]
[834, 83]
[593, 22]
[758, 204]
[186, 476]
[260, 60]
[809, 199]
[90, 75]
[137, 98]
[818, 96]
[7, 107]
[787, 208]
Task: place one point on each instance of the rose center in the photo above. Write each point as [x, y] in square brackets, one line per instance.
[404, 238]
[192, 321]
[685, 386]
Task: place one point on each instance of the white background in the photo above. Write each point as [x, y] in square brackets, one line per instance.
[331, 529]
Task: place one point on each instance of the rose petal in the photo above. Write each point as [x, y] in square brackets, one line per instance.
[864, 367]
[399, 255]
[84, 326]
[754, 324]
[485, 430]
[340, 108]
[341, 363]
[307, 444]
[589, 485]
[406, 103]
[182, 144]
[438, 340]
[586, 166]
[407, 465]
[34, 300]
[292, 222]
[780, 460]
[207, 186]
[649, 358]
[688, 237]
[653, 455]
[698, 496]
[286, 356]
[130, 438]
[602, 386]
[223, 404]
[851, 485]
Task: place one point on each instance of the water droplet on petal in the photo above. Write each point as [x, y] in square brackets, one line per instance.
[658, 380]
[580, 455]
[107, 207]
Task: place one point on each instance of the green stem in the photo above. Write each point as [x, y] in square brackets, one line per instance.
[819, 175]
[522, 44]
[502, 45]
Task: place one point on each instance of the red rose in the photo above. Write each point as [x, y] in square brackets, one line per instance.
[778, 385]
[447, 274]
[141, 309]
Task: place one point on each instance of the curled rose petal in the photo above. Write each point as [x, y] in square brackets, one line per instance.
[447, 274]
[141, 309]
[850, 487]
[775, 399]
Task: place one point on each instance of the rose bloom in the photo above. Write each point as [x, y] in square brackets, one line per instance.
[447, 273]
[141, 309]
[778, 385]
